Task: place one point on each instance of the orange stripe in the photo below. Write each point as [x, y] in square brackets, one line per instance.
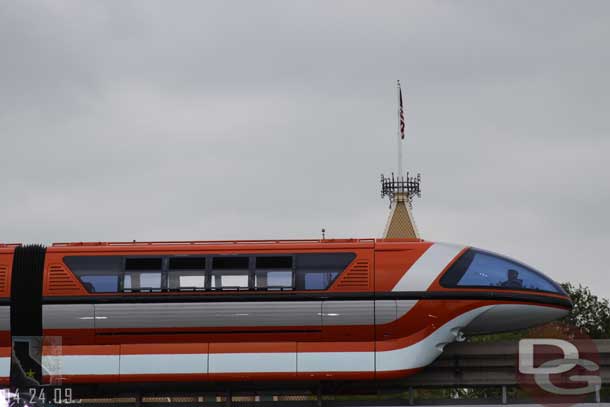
[336, 375]
[228, 377]
[50, 350]
[204, 348]
[236, 377]
[164, 348]
[396, 374]
[147, 378]
[81, 379]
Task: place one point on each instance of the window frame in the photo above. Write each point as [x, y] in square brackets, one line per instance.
[277, 288]
[77, 274]
[208, 272]
[147, 290]
[248, 270]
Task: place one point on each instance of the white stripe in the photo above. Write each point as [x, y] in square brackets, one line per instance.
[5, 367]
[424, 352]
[164, 364]
[425, 270]
[253, 362]
[81, 365]
[336, 361]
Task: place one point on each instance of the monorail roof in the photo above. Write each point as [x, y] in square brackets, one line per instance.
[222, 243]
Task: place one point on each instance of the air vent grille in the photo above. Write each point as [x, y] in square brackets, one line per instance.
[356, 278]
[61, 281]
[4, 289]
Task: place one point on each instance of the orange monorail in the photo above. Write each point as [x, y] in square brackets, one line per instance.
[216, 311]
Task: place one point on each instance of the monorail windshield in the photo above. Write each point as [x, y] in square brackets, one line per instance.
[478, 268]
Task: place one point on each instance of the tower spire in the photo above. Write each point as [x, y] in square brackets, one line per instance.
[400, 189]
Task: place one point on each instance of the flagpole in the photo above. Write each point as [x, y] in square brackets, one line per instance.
[398, 133]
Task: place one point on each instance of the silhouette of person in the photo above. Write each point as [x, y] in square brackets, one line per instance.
[513, 280]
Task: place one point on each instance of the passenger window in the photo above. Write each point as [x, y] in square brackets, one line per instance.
[142, 274]
[100, 284]
[317, 271]
[186, 273]
[273, 273]
[230, 273]
[98, 274]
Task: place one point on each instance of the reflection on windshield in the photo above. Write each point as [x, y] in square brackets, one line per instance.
[482, 269]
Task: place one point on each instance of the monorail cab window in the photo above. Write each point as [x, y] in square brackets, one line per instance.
[478, 268]
[230, 273]
[143, 274]
[186, 273]
[274, 273]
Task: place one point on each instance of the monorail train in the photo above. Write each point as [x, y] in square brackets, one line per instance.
[340, 309]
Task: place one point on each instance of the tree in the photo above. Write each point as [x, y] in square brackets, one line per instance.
[590, 313]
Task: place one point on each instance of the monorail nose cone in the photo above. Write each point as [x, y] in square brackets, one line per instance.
[569, 305]
[521, 297]
[511, 317]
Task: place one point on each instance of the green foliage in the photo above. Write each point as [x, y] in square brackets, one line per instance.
[504, 336]
[590, 313]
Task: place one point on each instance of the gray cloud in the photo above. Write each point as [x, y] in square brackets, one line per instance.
[219, 120]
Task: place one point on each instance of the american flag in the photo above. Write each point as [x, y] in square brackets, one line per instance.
[401, 114]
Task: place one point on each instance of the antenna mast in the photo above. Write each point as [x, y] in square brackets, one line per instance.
[400, 128]
[400, 189]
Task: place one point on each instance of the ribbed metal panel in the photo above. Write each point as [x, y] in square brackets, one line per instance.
[356, 278]
[26, 290]
[67, 316]
[347, 313]
[246, 314]
[61, 280]
[4, 288]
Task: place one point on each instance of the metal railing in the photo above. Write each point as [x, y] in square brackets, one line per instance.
[211, 242]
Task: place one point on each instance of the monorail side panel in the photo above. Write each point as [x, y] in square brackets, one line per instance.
[6, 267]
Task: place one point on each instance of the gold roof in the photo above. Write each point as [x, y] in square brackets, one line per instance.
[400, 222]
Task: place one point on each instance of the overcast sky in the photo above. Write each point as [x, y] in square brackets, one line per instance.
[124, 120]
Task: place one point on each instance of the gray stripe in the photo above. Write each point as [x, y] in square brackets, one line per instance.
[385, 311]
[347, 313]
[192, 315]
[403, 307]
[182, 315]
[67, 316]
